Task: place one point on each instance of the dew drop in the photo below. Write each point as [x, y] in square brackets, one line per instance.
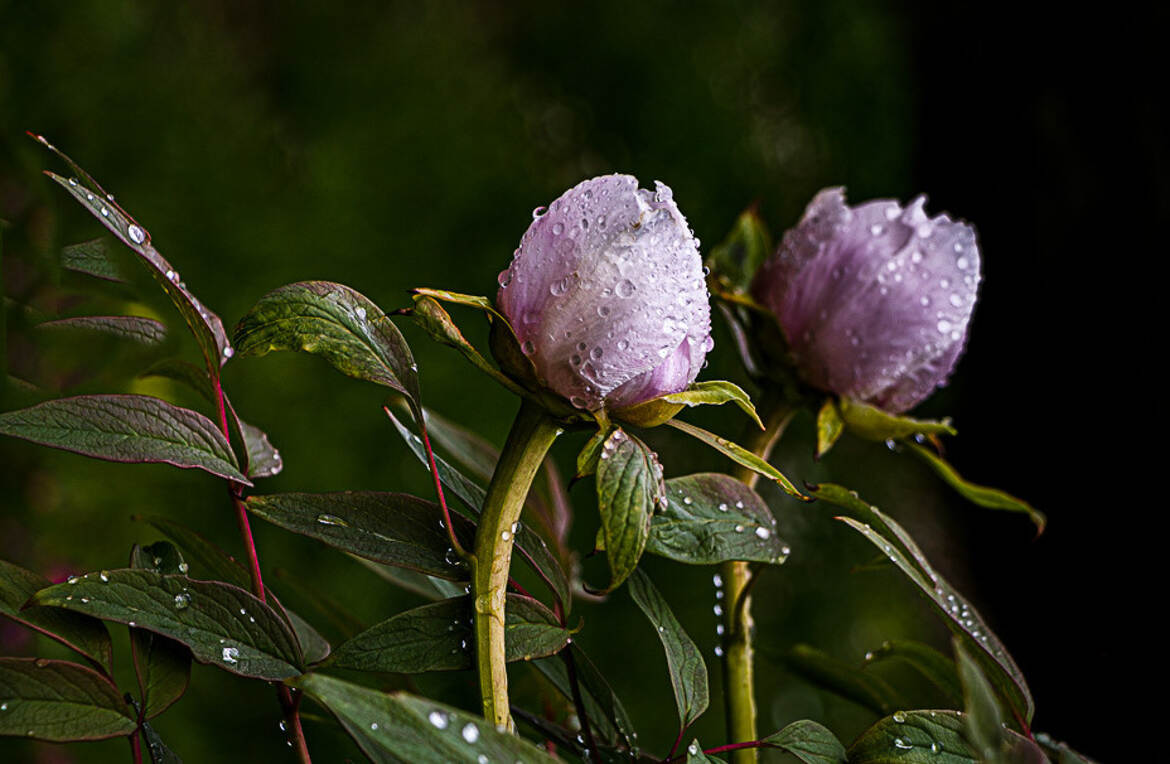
[104, 576]
[962, 263]
[231, 655]
[956, 300]
[184, 567]
[506, 535]
[876, 229]
[763, 532]
[717, 579]
[470, 732]
[41, 662]
[105, 212]
[228, 351]
[182, 600]
[625, 288]
[3, 706]
[944, 326]
[935, 747]
[905, 745]
[693, 749]
[900, 717]
[73, 182]
[718, 651]
[334, 520]
[537, 212]
[717, 610]
[505, 278]
[558, 229]
[73, 580]
[527, 348]
[136, 234]
[439, 719]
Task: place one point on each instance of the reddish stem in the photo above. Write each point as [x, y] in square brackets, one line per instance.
[722, 749]
[677, 741]
[136, 748]
[422, 425]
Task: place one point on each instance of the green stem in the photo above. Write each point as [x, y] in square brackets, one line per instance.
[532, 434]
[738, 661]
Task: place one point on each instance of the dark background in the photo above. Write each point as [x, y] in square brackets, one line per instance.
[389, 146]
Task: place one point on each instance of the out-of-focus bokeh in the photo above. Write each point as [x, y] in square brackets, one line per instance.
[394, 145]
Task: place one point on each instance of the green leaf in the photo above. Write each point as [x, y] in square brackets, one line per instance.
[178, 370]
[393, 528]
[983, 723]
[432, 318]
[92, 258]
[610, 721]
[688, 672]
[263, 460]
[913, 737]
[711, 518]
[314, 646]
[223, 625]
[629, 487]
[204, 324]
[828, 673]
[60, 701]
[830, 425]
[85, 635]
[421, 584]
[735, 260]
[590, 454]
[440, 637]
[1060, 752]
[957, 613]
[695, 754]
[716, 393]
[126, 428]
[872, 423]
[337, 323]
[163, 666]
[144, 331]
[992, 498]
[937, 668]
[739, 455]
[810, 742]
[156, 748]
[402, 727]
[468, 448]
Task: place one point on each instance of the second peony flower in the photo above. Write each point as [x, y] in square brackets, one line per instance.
[874, 300]
[607, 295]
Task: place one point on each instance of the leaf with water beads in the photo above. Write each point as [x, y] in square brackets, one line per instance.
[629, 488]
[85, 635]
[929, 737]
[403, 727]
[656, 411]
[440, 637]
[223, 625]
[695, 755]
[163, 666]
[60, 701]
[958, 614]
[739, 455]
[983, 723]
[711, 518]
[126, 428]
[808, 741]
[688, 672]
[872, 423]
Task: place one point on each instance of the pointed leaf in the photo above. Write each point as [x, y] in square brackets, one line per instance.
[711, 518]
[688, 672]
[402, 727]
[223, 625]
[830, 425]
[468, 448]
[60, 701]
[937, 668]
[810, 742]
[421, 584]
[144, 331]
[263, 460]
[92, 258]
[739, 455]
[314, 646]
[984, 496]
[590, 454]
[393, 528]
[440, 637]
[958, 614]
[432, 318]
[163, 666]
[872, 423]
[629, 487]
[156, 748]
[983, 722]
[85, 635]
[194, 377]
[336, 322]
[824, 671]
[913, 737]
[715, 393]
[735, 260]
[126, 428]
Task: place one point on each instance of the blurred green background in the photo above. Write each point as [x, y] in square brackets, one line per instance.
[391, 145]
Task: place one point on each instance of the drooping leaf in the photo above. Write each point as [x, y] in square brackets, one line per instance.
[126, 428]
[262, 458]
[432, 318]
[739, 455]
[913, 737]
[823, 670]
[810, 742]
[607, 714]
[335, 322]
[60, 701]
[313, 644]
[393, 528]
[440, 637]
[735, 260]
[830, 426]
[984, 496]
[144, 331]
[402, 727]
[982, 723]
[92, 258]
[162, 665]
[716, 393]
[711, 518]
[155, 747]
[957, 613]
[872, 423]
[629, 487]
[937, 668]
[688, 672]
[223, 625]
[85, 635]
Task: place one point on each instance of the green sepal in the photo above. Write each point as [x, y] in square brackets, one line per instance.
[872, 423]
[830, 426]
[662, 409]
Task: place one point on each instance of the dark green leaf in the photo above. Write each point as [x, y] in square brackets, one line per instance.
[469, 449]
[711, 518]
[186, 373]
[695, 755]
[440, 637]
[412, 581]
[156, 748]
[92, 258]
[735, 260]
[913, 737]
[958, 614]
[144, 331]
[394, 528]
[223, 625]
[739, 455]
[629, 487]
[60, 701]
[163, 666]
[983, 723]
[262, 457]
[606, 712]
[828, 673]
[937, 668]
[1060, 752]
[992, 498]
[437, 322]
[688, 672]
[809, 742]
[830, 425]
[126, 428]
[87, 636]
[314, 646]
[872, 423]
[408, 728]
[590, 454]
[338, 323]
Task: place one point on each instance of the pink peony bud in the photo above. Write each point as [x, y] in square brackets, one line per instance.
[607, 295]
[875, 299]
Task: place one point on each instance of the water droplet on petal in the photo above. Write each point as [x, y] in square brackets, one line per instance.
[625, 288]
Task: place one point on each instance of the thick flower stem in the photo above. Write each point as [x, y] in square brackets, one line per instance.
[532, 434]
[738, 661]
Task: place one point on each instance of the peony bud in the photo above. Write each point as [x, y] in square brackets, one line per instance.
[607, 296]
[874, 300]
